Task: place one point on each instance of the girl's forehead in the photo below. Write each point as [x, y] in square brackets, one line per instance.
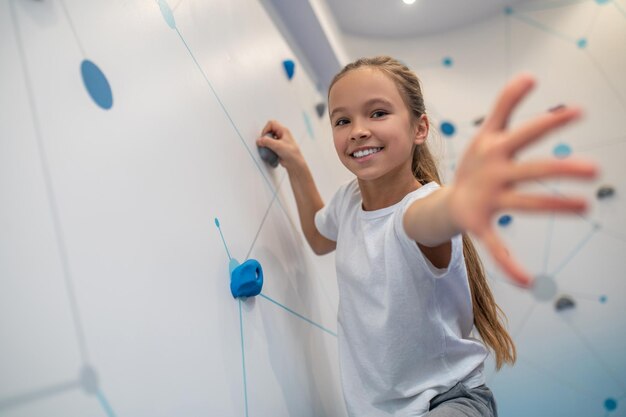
[363, 84]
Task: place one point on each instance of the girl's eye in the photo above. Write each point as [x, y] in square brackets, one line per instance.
[379, 113]
[341, 122]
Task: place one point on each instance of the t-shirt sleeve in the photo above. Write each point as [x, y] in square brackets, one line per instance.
[327, 218]
[456, 258]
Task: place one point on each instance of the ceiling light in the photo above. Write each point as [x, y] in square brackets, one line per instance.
[408, 1]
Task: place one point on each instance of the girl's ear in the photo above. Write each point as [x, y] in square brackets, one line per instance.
[422, 128]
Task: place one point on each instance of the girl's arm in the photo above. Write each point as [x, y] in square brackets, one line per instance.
[308, 199]
[486, 177]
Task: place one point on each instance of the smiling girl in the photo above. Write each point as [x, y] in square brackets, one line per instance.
[411, 285]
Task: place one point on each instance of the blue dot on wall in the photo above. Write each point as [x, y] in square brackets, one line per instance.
[96, 84]
[167, 13]
[602, 1]
[562, 150]
[447, 128]
[610, 404]
[582, 43]
[508, 10]
[505, 220]
[447, 62]
[603, 299]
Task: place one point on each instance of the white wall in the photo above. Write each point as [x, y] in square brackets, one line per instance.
[114, 281]
[570, 363]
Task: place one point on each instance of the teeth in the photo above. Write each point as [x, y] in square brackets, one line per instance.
[365, 152]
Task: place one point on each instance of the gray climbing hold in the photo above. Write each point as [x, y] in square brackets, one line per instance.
[320, 108]
[267, 154]
[564, 303]
[479, 121]
[605, 191]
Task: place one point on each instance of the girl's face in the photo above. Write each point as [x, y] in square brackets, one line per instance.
[371, 124]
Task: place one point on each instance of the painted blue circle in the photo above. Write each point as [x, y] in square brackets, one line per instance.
[447, 62]
[603, 299]
[505, 220]
[96, 84]
[562, 150]
[508, 10]
[447, 128]
[582, 43]
[610, 404]
[167, 13]
[217, 222]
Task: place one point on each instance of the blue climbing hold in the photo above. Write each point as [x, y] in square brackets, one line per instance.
[447, 128]
[96, 84]
[290, 68]
[246, 280]
[505, 220]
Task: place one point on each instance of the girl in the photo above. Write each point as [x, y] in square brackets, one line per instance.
[411, 285]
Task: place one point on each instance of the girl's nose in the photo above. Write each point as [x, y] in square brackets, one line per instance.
[359, 132]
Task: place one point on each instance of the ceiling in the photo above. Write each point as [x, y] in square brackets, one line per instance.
[394, 18]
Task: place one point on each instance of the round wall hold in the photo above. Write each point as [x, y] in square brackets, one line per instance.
[605, 191]
[246, 280]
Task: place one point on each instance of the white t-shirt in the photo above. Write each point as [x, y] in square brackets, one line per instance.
[404, 325]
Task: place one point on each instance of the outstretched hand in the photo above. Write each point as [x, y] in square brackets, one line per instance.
[487, 174]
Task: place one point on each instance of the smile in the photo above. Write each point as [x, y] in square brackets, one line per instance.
[365, 152]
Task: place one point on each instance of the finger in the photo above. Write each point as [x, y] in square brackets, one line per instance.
[274, 127]
[540, 126]
[531, 202]
[510, 96]
[269, 142]
[502, 257]
[553, 168]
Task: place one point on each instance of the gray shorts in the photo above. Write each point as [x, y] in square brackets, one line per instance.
[461, 401]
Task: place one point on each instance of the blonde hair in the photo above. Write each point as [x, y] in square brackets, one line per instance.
[488, 316]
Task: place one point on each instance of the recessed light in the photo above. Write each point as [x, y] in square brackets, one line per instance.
[408, 1]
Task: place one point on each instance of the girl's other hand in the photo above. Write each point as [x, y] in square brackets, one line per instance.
[487, 174]
[283, 144]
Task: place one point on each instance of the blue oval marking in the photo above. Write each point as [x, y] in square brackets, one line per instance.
[447, 62]
[582, 43]
[167, 13]
[610, 404]
[96, 84]
[562, 150]
[505, 220]
[603, 299]
[447, 128]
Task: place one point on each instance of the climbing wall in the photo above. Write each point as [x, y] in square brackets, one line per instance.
[570, 330]
[131, 185]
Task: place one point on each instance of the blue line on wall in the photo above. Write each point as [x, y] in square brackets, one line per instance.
[330, 332]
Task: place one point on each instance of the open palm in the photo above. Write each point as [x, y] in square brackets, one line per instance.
[487, 175]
